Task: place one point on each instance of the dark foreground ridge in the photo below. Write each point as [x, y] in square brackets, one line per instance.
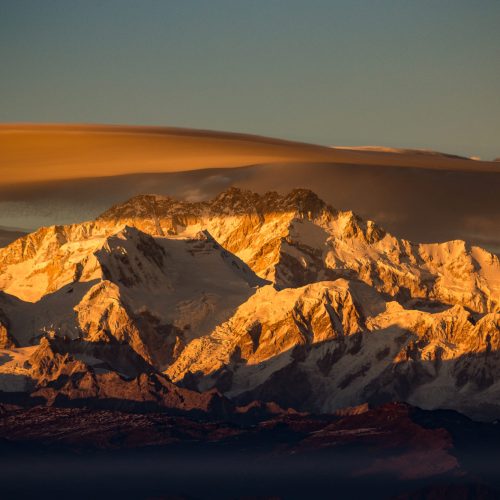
[393, 451]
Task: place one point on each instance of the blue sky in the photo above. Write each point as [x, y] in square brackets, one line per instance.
[404, 73]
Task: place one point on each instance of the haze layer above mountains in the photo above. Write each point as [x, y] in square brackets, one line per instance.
[52, 174]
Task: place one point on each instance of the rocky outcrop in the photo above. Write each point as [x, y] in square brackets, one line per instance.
[103, 317]
[7, 341]
[61, 379]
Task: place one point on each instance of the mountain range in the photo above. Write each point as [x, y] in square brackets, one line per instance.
[273, 298]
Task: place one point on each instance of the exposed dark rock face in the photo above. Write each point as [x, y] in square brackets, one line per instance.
[7, 341]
